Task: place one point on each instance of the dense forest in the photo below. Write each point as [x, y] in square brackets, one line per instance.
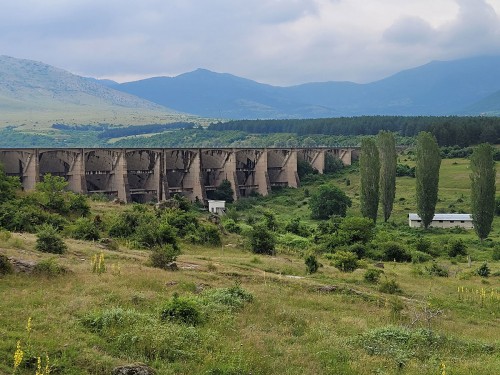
[449, 131]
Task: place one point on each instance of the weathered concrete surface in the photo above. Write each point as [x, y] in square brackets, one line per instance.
[144, 175]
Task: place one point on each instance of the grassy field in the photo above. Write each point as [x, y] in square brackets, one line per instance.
[329, 322]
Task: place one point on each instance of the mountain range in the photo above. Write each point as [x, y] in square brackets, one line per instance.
[37, 92]
[460, 87]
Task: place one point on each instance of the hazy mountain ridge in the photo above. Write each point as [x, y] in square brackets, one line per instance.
[33, 92]
[436, 88]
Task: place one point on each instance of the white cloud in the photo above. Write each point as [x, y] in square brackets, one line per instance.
[274, 41]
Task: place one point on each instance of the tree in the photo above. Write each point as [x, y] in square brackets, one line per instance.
[328, 200]
[262, 240]
[224, 192]
[427, 176]
[369, 168]
[482, 177]
[8, 186]
[388, 163]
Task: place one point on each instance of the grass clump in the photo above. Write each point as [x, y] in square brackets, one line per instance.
[49, 267]
[390, 287]
[182, 310]
[233, 297]
[5, 265]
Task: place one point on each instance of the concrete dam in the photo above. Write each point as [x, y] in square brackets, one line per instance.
[144, 175]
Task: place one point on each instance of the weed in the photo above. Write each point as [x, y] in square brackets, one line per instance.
[182, 310]
[372, 275]
[49, 267]
[98, 264]
[390, 287]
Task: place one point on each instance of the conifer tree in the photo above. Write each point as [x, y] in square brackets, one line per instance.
[483, 188]
[427, 176]
[388, 162]
[369, 167]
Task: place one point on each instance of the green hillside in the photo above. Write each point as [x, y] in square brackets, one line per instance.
[227, 310]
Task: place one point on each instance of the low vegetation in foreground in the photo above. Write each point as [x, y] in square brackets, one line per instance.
[265, 290]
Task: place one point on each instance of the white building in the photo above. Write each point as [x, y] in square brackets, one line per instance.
[443, 221]
[217, 207]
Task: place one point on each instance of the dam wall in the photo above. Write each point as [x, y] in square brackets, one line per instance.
[145, 175]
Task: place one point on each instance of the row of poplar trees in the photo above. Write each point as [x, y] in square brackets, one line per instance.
[378, 163]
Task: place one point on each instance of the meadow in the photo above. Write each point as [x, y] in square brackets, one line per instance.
[258, 314]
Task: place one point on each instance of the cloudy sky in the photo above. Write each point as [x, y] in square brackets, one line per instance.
[280, 42]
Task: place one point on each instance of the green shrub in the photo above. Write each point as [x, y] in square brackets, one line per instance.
[78, 204]
[163, 256]
[345, 261]
[231, 226]
[298, 228]
[25, 216]
[372, 275]
[183, 222]
[182, 310]
[5, 265]
[205, 234]
[394, 251]
[233, 297]
[359, 249]
[84, 229]
[484, 270]
[437, 270]
[312, 264]
[125, 224]
[49, 267]
[456, 248]
[423, 245]
[49, 241]
[150, 234]
[420, 257]
[495, 255]
[390, 287]
[262, 240]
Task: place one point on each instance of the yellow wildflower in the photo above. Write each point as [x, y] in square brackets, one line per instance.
[18, 356]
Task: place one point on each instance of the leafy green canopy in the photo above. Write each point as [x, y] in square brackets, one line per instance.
[328, 200]
[483, 189]
[427, 176]
[369, 168]
[388, 163]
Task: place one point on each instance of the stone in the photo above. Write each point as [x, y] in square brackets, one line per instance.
[20, 265]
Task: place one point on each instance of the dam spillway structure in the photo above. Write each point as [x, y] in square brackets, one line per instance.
[156, 174]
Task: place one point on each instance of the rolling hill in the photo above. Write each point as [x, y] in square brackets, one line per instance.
[39, 94]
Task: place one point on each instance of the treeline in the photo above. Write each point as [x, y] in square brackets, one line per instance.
[107, 131]
[449, 130]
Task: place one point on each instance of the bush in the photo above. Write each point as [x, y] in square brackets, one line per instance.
[183, 222]
[49, 241]
[345, 261]
[312, 264]
[420, 257]
[182, 310]
[356, 229]
[457, 247]
[163, 256]
[49, 267]
[393, 251]
[390, 287]
[372, 275]
[231, 226]
[206, 234]
[5, 266]
[437, 270]
[298, 228]
[328, 200]
[85, 229]
[125, 224]
[358, 249]
[150, 234]
[423, 245]
[484, 270]
[262, 240]
[496, 253]
[233, 297]
[24, 216]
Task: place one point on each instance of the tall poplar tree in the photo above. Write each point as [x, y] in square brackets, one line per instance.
[388, 161]
[369, 167]
[427, 176]
[483, 175]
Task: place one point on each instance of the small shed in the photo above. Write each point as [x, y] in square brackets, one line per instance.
[217, 207]
[443, 221]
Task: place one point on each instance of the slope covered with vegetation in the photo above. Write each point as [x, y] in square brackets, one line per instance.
[321, 304]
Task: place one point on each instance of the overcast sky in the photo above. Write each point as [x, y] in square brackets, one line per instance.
[280, 42]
